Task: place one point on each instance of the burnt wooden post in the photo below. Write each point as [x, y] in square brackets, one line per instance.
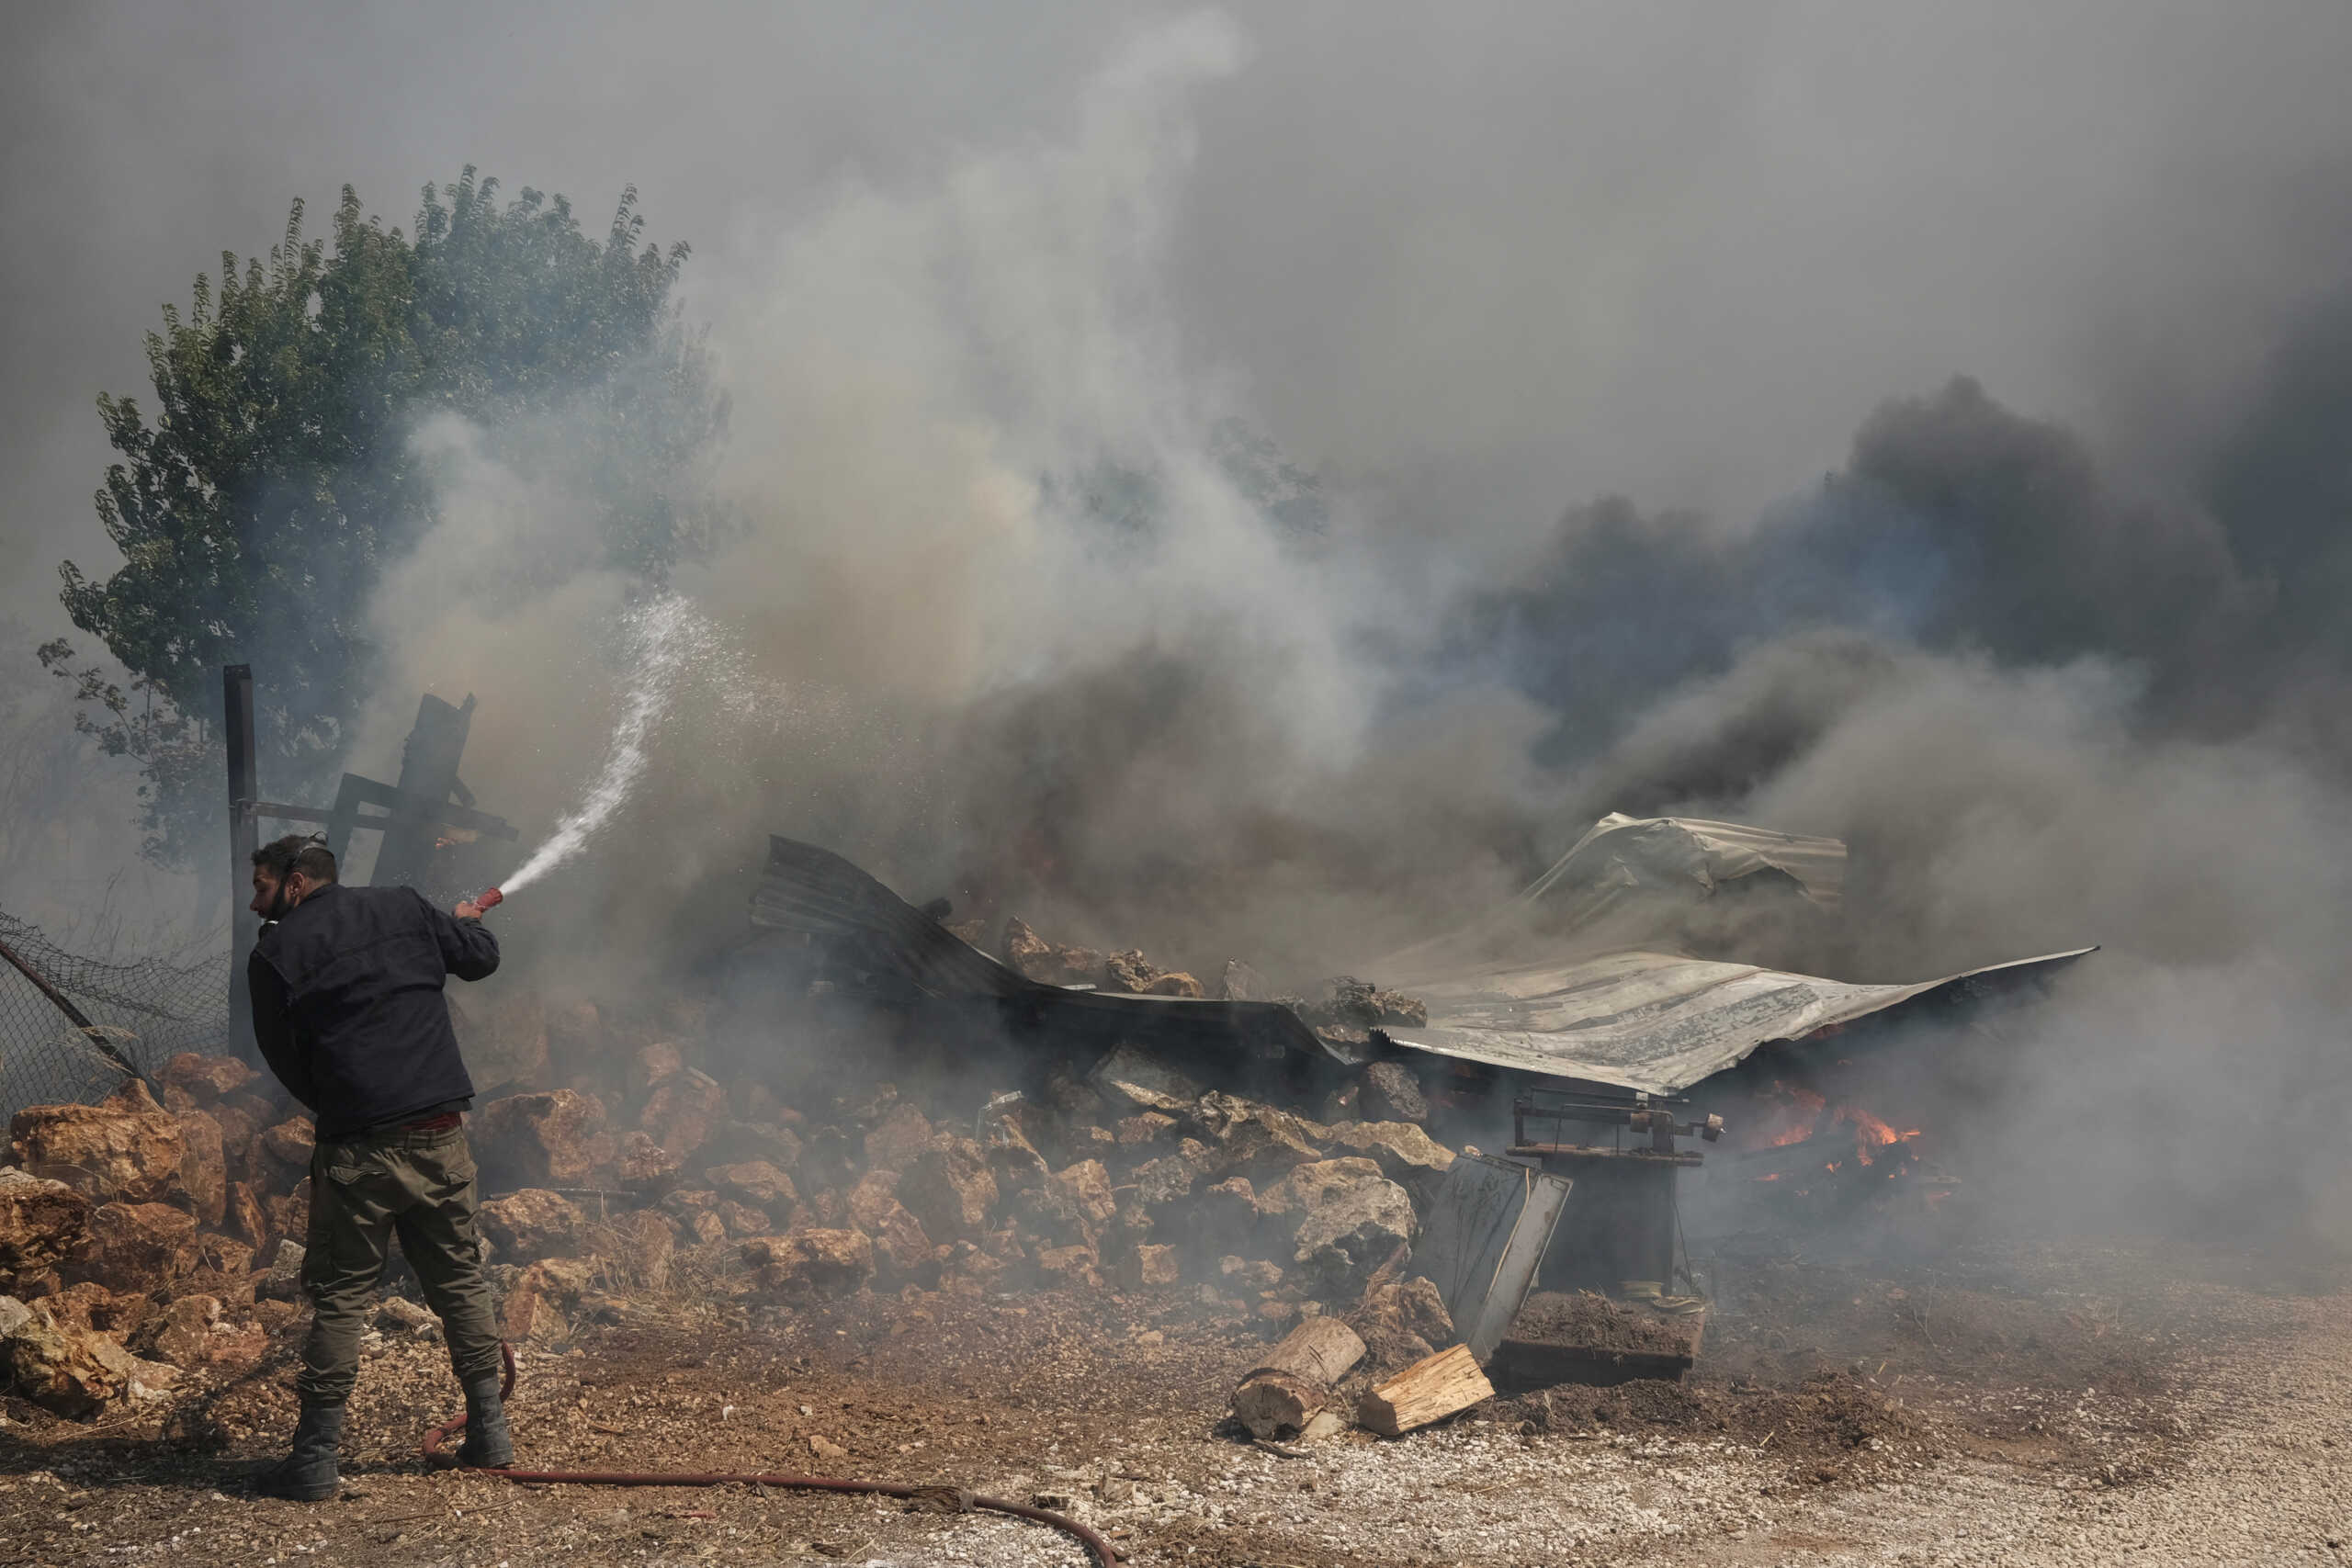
[237, 731]
[429, 777]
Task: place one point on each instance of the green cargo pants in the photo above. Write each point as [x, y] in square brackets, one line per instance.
[365, 1190]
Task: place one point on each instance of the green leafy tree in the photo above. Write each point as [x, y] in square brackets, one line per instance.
[257, 509]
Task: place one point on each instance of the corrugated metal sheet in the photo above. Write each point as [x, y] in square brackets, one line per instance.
[816, 893]
[1653, 1021]
[1640, 1019]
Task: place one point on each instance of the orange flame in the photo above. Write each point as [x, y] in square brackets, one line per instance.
[1807, 1111]
[1871, 1132]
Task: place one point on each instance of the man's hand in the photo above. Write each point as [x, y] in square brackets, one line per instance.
[467, 909]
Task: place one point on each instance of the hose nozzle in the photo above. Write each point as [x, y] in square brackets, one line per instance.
[489, 900]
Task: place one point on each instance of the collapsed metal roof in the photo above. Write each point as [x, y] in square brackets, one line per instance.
[816, 893]
[1653, 1021]
[1564, 981]
[1537, 987]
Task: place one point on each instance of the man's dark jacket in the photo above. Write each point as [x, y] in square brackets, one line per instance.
[347, 1005]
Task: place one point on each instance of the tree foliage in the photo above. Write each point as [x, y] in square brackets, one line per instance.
[258, 507]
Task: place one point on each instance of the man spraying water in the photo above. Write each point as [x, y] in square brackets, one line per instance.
[348, 1012]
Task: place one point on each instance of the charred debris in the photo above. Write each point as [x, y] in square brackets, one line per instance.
[1400, 1189]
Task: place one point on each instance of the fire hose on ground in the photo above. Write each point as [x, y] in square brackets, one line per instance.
[1104, 1554]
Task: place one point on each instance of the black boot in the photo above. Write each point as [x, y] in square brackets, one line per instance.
[307, 1474]
[488, 1445]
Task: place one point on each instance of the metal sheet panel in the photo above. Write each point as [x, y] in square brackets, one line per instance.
[1489, 1224]
[816, 893]
[1653, 1021]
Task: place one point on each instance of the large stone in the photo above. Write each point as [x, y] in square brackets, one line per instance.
[204, 1169]
[42, 1222]
[811, 1261]
[224, 1269]
[1351, 1221]
[245, 1217]
[1011, 1142]
[137, 1247]
[290, 1212]
[901, 1247]
[741, 1219]
[71, 1370]
[900, 1140]
[1072, 1206]
[1150, 1266]
[1174, 983]
[283, 1280]
[757, 1183]
[652, 1065]
[85, 1304]
[1075, 1267]
[950, 1189]
[532, 1224]
[190, 1334]
[683, 1110]
[1140, 1080]
[1068, 1094]
[1241, 983]
[1129, 971]
[1252, 1138]
[551, 1139]
[124, 1149]
[1391, 1093]
[206, 1079]
[241, 1154]
[1226, 1220]
[646, 1167]
[286, 1150]
[534, 1309]
[1028, 953]
[1166, 1180]
[1403, 1151]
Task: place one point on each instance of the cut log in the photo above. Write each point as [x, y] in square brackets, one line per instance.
[1282, 1394]
[1430, 1390]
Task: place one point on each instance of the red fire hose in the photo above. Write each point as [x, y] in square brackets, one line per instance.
[1104, 1554]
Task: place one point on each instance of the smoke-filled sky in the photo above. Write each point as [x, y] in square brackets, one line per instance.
[1488, 258]
[1917, 424]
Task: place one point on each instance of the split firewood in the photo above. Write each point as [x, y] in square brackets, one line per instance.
[1282, 1394]
[1430, 1390]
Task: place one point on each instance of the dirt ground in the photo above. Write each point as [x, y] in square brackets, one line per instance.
[2123, 1402]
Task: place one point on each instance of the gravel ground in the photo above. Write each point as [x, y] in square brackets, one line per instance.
[1108, 1408]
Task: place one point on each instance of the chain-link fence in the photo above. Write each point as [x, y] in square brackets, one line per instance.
[141, 1012]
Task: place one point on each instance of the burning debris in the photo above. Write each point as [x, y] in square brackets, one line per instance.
[1055, 1117]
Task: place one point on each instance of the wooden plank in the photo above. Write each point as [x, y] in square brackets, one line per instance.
[1430, 1390]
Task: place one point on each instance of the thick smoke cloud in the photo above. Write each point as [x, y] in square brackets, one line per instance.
[2055, 647]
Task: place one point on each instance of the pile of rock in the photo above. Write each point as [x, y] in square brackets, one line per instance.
[1123, 1173]
[139, 1236]
[130, 1232]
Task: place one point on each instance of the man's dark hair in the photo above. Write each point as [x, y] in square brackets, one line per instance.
[305, 852]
